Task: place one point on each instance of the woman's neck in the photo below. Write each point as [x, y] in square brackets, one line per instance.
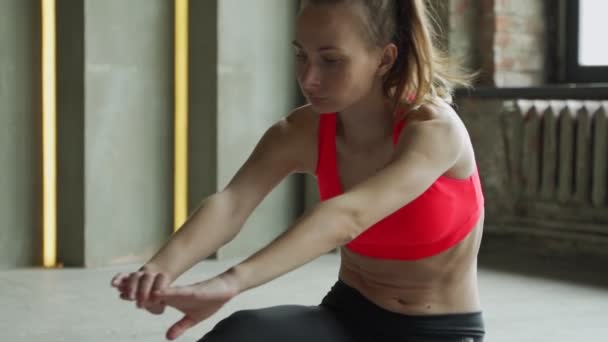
[367, 122]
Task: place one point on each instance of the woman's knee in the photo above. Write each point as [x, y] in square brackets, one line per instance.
[243, 319]
[240, 326]
[280, 322]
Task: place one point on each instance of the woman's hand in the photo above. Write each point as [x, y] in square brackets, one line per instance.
[140, 286]
[197, 301]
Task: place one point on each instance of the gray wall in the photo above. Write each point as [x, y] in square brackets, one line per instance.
[20, 141]
[202, 121]
[128, 128]
[70, 126]
[115, 130]
[115, 122]
[256, 86]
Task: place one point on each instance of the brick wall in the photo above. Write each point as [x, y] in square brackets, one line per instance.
[463, 40]
[505, 39]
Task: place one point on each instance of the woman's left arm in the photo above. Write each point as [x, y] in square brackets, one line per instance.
[427, 149]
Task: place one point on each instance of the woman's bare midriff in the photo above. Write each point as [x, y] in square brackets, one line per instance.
[444, 283]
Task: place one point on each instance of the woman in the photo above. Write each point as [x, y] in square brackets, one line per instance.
[399, 188]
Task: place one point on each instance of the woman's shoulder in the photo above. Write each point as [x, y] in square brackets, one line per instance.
[438, 111]
[298, 133]
[449, 130]
[303, 118]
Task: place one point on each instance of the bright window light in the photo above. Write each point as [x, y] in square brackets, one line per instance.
[593, 49]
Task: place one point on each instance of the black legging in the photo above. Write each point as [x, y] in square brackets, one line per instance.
[344, 315]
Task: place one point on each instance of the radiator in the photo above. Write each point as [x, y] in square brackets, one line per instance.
[557, 152]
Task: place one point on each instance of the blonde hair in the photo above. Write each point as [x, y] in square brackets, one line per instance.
[422, 72]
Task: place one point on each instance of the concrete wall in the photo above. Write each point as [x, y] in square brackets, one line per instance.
[128, 128]
[20, 127]
[256, 86]
[114, 106]
[115, 142]
[115, 122]
[70, 125]
[203, 102]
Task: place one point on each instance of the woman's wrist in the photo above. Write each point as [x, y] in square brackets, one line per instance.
[233, 278]
[154, 268]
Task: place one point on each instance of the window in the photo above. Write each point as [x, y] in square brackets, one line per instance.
[586, 41]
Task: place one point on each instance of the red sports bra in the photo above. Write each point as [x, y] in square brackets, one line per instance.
[430, 224]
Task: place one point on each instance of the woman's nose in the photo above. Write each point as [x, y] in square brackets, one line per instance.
[309, 77]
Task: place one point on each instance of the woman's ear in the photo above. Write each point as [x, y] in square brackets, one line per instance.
[387, 59]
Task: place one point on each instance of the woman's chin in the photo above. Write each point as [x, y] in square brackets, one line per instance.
[322, 106]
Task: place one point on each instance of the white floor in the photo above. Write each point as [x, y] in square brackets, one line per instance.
[566, 303]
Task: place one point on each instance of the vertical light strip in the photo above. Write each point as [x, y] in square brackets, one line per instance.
[181, 114]
[49, 136]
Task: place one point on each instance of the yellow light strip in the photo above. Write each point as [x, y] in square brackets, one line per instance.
[181, 114]
[49, 136]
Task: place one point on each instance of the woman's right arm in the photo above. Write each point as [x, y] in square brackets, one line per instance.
[283, 149]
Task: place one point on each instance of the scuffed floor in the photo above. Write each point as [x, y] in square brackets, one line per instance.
[543, 302]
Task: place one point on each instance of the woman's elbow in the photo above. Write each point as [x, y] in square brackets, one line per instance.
[342, 223]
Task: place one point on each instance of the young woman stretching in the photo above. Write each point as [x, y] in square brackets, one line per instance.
[400, 195]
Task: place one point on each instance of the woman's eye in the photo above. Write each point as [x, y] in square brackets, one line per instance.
[331, 60]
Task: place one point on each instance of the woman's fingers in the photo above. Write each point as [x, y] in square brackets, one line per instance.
[153, 304]
[133, 284]
[118, 279]
[155, 308]
[121, 282]
[178, 328]
[176, 292]
[143, 288]
[174, 296]
[161, 281]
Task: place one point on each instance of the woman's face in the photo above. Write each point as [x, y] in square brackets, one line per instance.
[335, 65]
